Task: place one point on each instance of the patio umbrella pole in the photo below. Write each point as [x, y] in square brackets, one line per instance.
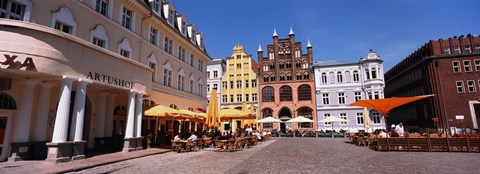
[332, 130]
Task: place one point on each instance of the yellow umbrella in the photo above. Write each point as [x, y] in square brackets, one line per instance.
[213, 113]
[366, 119]
[163, 111]
[251, 121]
[227, 114]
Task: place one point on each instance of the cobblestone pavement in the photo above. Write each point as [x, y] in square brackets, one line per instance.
[299, 155]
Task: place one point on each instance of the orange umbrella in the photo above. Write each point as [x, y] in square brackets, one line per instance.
[386, 105]
[213, 113]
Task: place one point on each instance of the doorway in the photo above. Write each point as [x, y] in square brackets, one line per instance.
[476, 107]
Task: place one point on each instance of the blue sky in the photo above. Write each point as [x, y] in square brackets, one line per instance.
[338, 29]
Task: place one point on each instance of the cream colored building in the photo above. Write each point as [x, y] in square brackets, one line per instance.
[76, 74]
[239, 84]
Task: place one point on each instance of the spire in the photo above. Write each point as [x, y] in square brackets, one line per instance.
[309, 45]
[291, 30]
[259, 47]
[275, 32]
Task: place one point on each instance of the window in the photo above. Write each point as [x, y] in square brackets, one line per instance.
[304, 93]
[326, 99]
[471, 86]
[63, 27]
[246, 97]
[325, 116]
[254, 97]
[181, 53]
[215, 74]
[254, 83]
[477, 64]
[231, 98]
[477, 48]
[167, 77]
[181, 80]
[10, 9]
[376, 117]
[224, 85]
[356, 77]
[268, 94]
[101, 6]
[191, 86]
[456, 66]
[171, 16]
[224, 99]
[374, 73]
[307, 113]
[457, 50]
[208, 74]
[168, 45]
[215, 86]
[367, 73]
[466, 66]
[231, 84]
[200, 89]
[360, 118]
[153, 36]
[446, 51]
[267, 113]
[239, 66]
[124, 53]
[324, 78]
[208, 87]
[376, 95]
[154, 68]
[460, 87]
[156, 6]
[127, 18]
[467, 49]
[339, 77]
[98, 42]
[306, 76]
[246, 83]
[200, 65]
[239, 84]
[192, 60]
[343, 116]
[358, 95]
[285, 93]
[341, 98]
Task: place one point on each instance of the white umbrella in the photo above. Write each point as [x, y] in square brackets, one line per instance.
[268, 120]
[332, 120]
[299, 119]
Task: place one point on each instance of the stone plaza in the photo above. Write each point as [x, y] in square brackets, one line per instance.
[298, 155]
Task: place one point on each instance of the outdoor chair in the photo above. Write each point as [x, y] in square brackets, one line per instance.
[191, 145]
[360, 140]
[177, 146]
[207, 142]
[231, 145]
[218, 145]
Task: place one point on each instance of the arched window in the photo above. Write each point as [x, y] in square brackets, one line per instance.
[299, 76]
[64, 20]
[298, 64]
[307, 113]
[356, 77]
[124, 48]
[272, 66]
[282, 77]
[281, 65]
[289, 65]
[265, 78]
[304, 92]
[148, 103]
[174, 106]
[286, 93]
[120, 110]
[339, 77]
[306, 76]
[7, 102]
[190, 109]
[272, 78]
[98, 36]
[267, 112]
[289, 76]
[152, 63]
[268, 95]
[324, 78]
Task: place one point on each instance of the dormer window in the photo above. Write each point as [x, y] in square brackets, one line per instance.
[171, 16]
[184, 28]
[155, 4]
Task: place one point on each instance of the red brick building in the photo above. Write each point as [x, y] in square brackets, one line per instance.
[450, 69]
[286, 83]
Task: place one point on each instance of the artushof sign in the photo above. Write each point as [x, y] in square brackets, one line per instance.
[110, 80]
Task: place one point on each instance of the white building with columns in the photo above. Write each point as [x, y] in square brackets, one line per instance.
[76, 75]
[339, 84]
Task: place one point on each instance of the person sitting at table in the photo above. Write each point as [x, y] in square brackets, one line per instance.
[382, 134]
[177, 138]
[192, 137]
[392, 132]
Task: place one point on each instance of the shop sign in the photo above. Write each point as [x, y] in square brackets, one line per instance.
[110, 80]
[9, 62]
[459, 117]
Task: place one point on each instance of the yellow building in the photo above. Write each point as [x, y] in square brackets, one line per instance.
[239, 84]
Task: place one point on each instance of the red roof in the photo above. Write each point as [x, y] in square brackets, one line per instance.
[254, 66]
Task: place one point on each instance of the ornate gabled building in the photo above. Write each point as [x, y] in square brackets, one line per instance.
[239, 84]
[286, 83]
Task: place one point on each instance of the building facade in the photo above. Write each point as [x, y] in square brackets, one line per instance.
[339, 84]
[239, 84]
[286, 83]
[449, 69]
[215, 70]
[84, 69]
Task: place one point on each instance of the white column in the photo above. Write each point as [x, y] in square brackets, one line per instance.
[138, 114]
[24, 116]
[130, 115]
[79, 108]
[43, 109]
[61, 121]
[109, 115]
[100, 121]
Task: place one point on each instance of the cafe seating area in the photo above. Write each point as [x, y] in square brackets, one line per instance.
[217, 144]
[420, 142]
